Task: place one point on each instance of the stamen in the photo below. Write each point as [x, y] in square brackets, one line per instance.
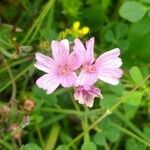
[89, 68]
[64, 70]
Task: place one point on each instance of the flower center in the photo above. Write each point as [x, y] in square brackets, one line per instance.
[89, 68]
[64, 70]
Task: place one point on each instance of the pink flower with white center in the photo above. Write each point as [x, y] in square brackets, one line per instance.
[85, 94]
[60, 70]
[105, 67]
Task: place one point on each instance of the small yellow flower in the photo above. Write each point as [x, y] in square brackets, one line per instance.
[85, 30]
[76, 26]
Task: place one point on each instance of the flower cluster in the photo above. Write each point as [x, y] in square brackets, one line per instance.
[64, 69]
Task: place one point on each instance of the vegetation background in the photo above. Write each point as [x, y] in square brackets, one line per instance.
[32, 120]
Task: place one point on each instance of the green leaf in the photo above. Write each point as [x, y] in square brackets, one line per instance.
[99, 138]
[139, 37]
[147, 131]
[131, 144]
[121, 29]
[109, 36]
[136, 74]
[132, 11]
[108, 101]
[112, 134]
[123, 44]
[62, 147]
[88, 146]
[118, 89]
[41, 96]
[132, 98]
[129, 110]
[30, 146]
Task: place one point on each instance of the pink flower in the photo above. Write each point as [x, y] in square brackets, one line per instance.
[86, 94]
[105, 67]
[60, 70]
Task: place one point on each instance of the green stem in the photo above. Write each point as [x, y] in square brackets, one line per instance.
[38, 22]
[131, 125]
[130, 134]
[15, 63]
[75, 112]
[85, 126]
[14, 89]
[40, 135]
[109, 111]
[16, 77]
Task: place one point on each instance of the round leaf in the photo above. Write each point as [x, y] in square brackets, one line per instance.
[132, 11]
[88, 146]
[31, 146]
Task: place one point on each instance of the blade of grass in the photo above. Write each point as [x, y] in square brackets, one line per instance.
[128, 132]
[53, 136]
[131, 125]
[38, 22]
[15, 78]
[17, 62]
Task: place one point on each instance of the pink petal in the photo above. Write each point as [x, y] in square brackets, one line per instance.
[65, 43]
[79, 97]
[44, 63]
[110, 76]
[74, 61]
[69, 80]
[108, 67]
[48, 82]
[60, 52]
[86, 78]
[89, 102]
[90, 51]
[79, 49]
[108, 55]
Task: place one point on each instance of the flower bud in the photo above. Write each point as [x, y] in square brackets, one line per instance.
[29, 105]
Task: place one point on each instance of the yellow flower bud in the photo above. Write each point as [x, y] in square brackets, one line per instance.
[85, 30]
[76, 25]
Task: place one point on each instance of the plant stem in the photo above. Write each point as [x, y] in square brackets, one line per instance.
[107, 112]
[75, 112]
[38, 22]
[131, 125]
[40, 135]
[14, 91]
[16, 77]
[131, 134]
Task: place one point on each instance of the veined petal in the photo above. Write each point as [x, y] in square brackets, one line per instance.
[79, 97]
[44, 63]
[69, 80]
[79, 49]
[110, 76]
[108, 67]
[108, 55]
[89, 102]
[60, 52]
[90, 51]
[74, 61]
[48, 82]
[65, 43]
[86, 78]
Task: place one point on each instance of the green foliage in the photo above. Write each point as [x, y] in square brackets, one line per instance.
[89, 146]
[132, 11]
[99, 138]
[118, 121]
[133, 98]
[136, 74]
[62, 147]
[30, 146]
[131, 144]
